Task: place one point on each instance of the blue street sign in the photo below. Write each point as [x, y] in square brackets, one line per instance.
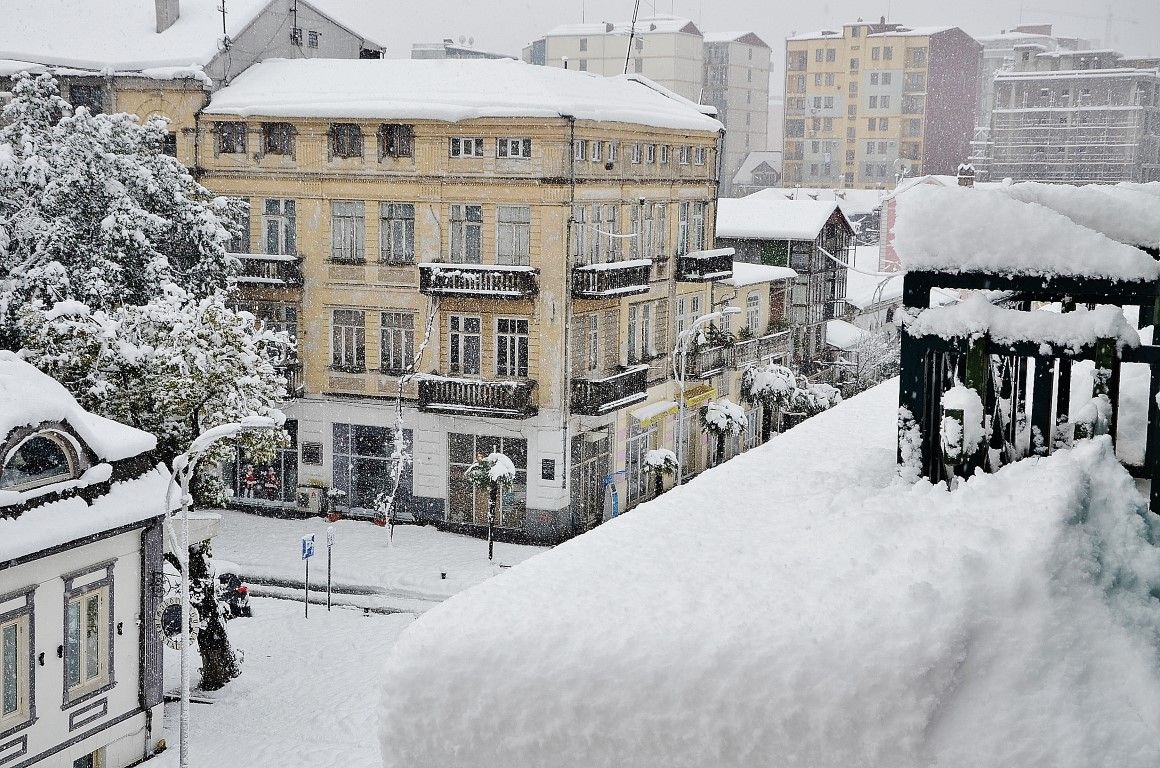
[308, 546]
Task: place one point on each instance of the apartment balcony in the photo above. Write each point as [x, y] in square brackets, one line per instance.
[501, 398]
[705, 266]
[754, 351]
[269, 269]
[291, 370]
[706, 362]
[487, 281]
[617, 278]
[596, 397]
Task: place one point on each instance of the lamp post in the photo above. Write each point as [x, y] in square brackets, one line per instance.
[679, 365]
[182, 476]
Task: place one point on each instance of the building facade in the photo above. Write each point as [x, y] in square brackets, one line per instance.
[874, 103]
[81, 507]
[511, 278]
[737, 84]
[1080, 117]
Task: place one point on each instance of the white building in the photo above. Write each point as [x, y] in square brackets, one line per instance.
[737, 84]
[81, 507]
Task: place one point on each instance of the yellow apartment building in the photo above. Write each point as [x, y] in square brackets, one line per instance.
[877, 102]
[511, 248]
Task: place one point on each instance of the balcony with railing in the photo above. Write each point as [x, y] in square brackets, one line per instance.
[754, 351]
[706, 361]
[705, 266]
[291, 371]
[270, 269]
[502, 398]
[489, 281]
[617, 278]
[598, 396]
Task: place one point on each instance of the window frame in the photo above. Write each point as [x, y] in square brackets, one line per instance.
[346, 140]
[348, 232]
[396, 334]
[396, 140]
[512, 347]
[465, 147]
[505, 144]
[348, 334]
[61, 441]
[459, 336]
[285, 219]
[231, 137]
[278, 139]
[23, 618]
[80, 594]
[460, 229]
[394, 227]
[517, 232]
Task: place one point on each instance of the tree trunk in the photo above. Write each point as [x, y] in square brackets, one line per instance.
[218, 663]
[766, 421]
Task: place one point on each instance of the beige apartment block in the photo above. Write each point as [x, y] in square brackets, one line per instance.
[553, 231]
[875, 103]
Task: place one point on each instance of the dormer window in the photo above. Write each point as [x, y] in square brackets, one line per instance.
[277, 139]
[346, 140]
[42, 459]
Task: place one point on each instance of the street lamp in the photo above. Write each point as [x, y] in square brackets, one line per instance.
[679, 365]
[182, 475]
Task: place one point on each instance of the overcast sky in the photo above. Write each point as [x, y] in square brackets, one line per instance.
[508, 25]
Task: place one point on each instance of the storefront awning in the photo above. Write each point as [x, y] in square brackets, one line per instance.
[654, 412]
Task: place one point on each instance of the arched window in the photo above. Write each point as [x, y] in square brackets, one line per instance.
[41, 459]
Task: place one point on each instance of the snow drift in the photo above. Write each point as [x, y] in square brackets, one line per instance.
[801, 606]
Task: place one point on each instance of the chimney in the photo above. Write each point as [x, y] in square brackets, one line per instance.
[167, 13]
[882, 20]
[966, 175]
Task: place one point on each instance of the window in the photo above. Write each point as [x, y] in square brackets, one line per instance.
[584, 44]
[231, 138]
[461, 146]
[347, 231]
[873, 102]
[41, 459]
[683, 155]
[699, 156]
[346, 140]
[397, 348]
[514, 148]
[829, 78]
[882, 147]
[592, 342]
[635, 154]
[855, 31]
[583, 66]
[650, 153]
[875, 53]
[611, 151]
[687, 311]
[640, 332]
[362, 465]
[296, 36]
[396, 140]
[16, 665]
[396, 233]
[466, 234]
[278, 222]
[641, 440]
[91, 97]
[464, 348]
[817, 102]
[88, 633]
[885, 101]
[829, 102]
[918, 57]
[887, 53]
[638, 62]
[817, 79]
[849, 156]
[467, 503]
[597, 154]
[169, 144]
[277, 139]
[348, 340]
[511, 347]
[752, 313]
[819, 55]
[873, 78]
[606, 218]
[240, 243]
[683, 211]
[664, 154]
[831, 54]
[853, 64]
[869, 147]
[886, 78]
[513, 235]
[815, 146]
[580, 149]
[883, 124]
[312, 39]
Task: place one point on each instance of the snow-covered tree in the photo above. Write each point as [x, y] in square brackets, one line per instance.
[174, 366]
[659, 463]
[723, 418]
[491, 473]
[777, 387]
[92, 210]
[219, 665]
[874, 359]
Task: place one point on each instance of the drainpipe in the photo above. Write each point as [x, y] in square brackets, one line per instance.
[566, 396]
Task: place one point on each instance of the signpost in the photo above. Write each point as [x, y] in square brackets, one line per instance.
[307, 553]
[329, 546]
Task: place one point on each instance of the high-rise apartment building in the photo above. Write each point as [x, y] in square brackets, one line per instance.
[877, 102]
[1081, 117]
[727, 70]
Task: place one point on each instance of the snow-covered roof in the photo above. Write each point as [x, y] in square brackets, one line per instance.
[118, 34]
[745, 274]
[1119, 212]
[864, 289]
[800, 605]
[962, 229]
[746, 36]
[845, 336]
[912, 31]
[651, 24]
[853, 202]
[31, 397]
[763, 218]
[770, 157]
[450, 90]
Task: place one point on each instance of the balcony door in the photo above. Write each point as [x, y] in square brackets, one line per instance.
[591, 463]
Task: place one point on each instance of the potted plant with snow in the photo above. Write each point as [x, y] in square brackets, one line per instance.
[773, 386]
[660, 463]
[333, 511]
[723, 418]
[491, 473]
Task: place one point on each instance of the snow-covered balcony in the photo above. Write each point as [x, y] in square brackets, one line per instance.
[753, 351]
[502, 398]
[495, 281]
[271, 269]
[705, 266]
[706, 361]
[617, 278]
[598, 396]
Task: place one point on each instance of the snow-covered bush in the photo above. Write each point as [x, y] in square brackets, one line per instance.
[661, 461]
[962, 423]
[724, 417]
[813, 398]
[492, 471]
[773, 384]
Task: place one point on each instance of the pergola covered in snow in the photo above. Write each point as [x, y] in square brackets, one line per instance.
[984, 385]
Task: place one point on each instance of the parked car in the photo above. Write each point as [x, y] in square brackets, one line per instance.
[233, 594]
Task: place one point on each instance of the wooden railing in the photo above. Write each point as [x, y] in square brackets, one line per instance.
[508, 399]
[703, 266]
[595, 397]
[753, 351]
[622, 278]
[493, 281]
[269, 269]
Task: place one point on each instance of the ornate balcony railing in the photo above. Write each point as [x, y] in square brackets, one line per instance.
[596, 397]
[291, 370]
[704, 266]
[618, 278]
[753, 351]
[494, 281]
[269, 269]
[706, 362]
[503, 398]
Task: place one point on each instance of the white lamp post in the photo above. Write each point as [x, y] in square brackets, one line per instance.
[183, 467]
[679, 365]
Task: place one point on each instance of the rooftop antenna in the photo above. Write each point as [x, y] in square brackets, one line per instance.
[631, 35]
[222, 8]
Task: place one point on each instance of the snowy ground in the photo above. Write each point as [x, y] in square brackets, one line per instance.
[308, 694]
[407, 575]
